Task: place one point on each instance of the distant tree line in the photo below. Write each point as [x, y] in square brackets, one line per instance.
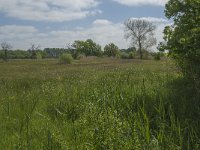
[140, 32]
[78, 50]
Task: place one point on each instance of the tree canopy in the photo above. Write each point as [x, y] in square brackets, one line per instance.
[88, 47]
[141, 32]
[182, 38]
[111, 50]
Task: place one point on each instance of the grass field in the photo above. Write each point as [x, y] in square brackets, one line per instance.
[97, 104]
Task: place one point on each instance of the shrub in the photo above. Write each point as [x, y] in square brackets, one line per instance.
[145, 55]
[1, 54]
[157, 56]
[38, 56]
[132, 55]
[124, 55]
[66, 58]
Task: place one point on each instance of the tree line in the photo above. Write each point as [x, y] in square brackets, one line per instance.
[140, 32]
[78, 50]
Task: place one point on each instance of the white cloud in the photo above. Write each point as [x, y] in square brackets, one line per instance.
[101, 31]
[101, 22]
[142, 2]
[49, 10]
[14, 29]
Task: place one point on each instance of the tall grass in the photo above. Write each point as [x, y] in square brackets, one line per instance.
[104, 104]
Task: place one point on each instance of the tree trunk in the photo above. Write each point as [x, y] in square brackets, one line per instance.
[6, 55]
[140, 50]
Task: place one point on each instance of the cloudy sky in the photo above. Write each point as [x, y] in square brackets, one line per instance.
[56, 23]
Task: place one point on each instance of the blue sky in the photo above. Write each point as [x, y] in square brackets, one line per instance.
[56, 23]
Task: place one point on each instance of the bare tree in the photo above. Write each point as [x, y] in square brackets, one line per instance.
[6, 46]
[141, 33]
[33, 50]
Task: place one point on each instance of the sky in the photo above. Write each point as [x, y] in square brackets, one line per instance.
[58, 23]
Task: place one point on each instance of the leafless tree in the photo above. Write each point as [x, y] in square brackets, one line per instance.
[141, 32]
[5, 47]
[33, 50]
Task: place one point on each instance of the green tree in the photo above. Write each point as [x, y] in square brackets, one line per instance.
[92, 49]
[88, 47]
[111, 50]
[141, 32]
[182, 38]
[79, 47]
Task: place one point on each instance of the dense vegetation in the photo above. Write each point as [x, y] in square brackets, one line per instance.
[66, 58]
[97, 104]
[182, 38]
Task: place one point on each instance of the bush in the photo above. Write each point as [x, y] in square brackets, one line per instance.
[145, 55]
[132, 55]
[1, 54]
[124, 55]
[157, 56]
[38, 56]
[66, 58]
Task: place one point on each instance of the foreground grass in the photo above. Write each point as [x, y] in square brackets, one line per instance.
[98, 104]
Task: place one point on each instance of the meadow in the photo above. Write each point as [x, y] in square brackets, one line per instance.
[97, 104]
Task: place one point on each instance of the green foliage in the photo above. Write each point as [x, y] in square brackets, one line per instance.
[128, 50]
[33, 54]
[129, 53]
[182, 39]
[38, 55]
[124, 55]
[145, 54]
[88, 47]
[132, 55]
[56, 52]
[1, 54]
[5, 47]
[157, 56]
[16, 54]
[66, 58]
[111, 50]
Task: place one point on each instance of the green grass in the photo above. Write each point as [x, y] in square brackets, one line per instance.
[97, 104]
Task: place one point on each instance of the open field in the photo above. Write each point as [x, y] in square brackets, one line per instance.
[97, 104]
